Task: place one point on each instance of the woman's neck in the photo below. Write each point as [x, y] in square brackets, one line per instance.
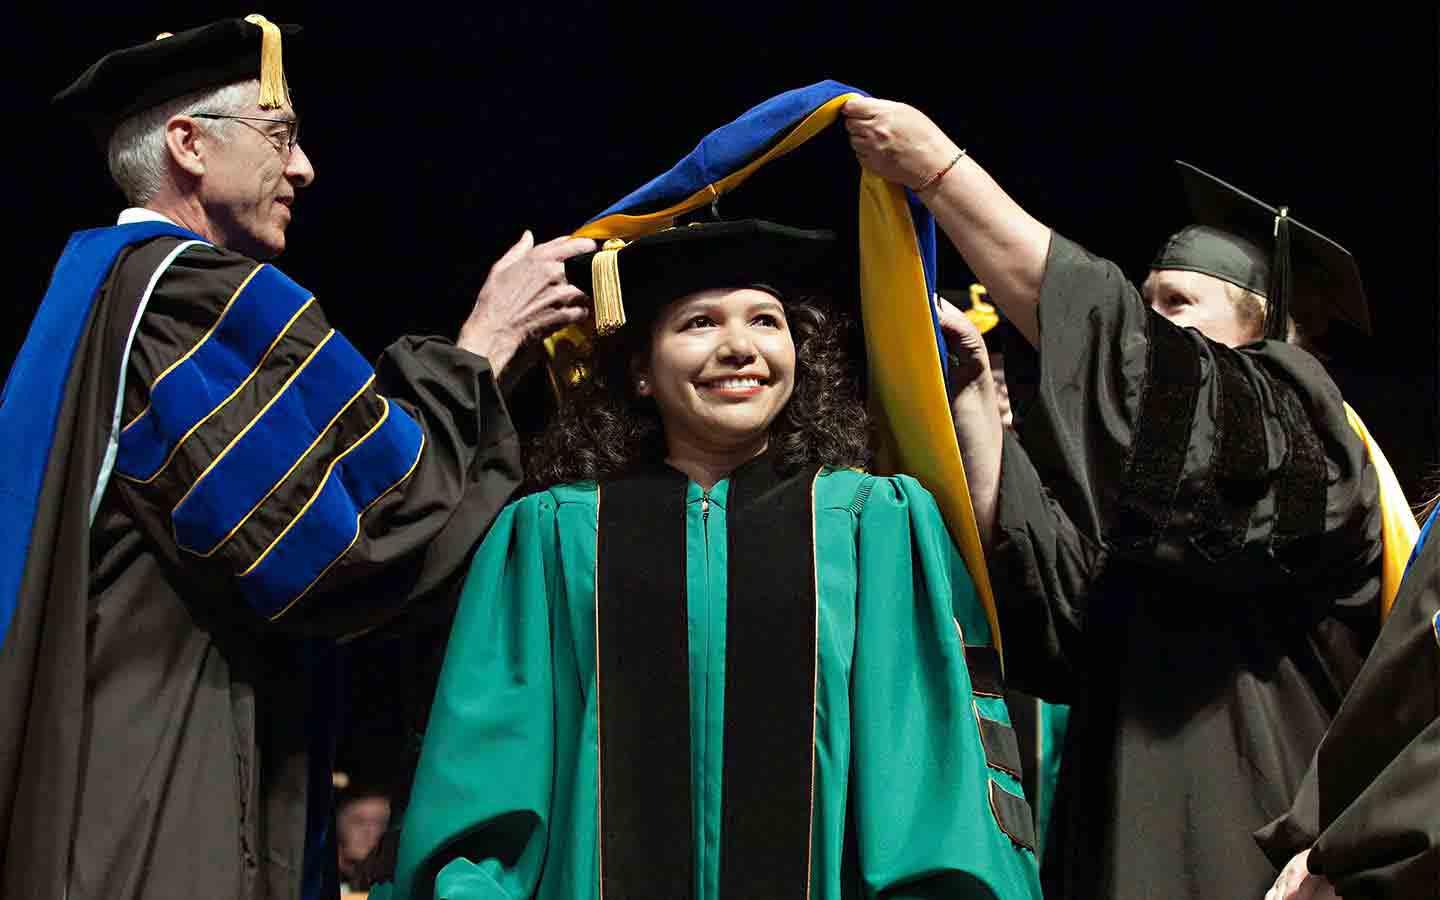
[708, 465]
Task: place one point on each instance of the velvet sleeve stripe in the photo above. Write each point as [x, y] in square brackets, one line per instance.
[308, 455]
[198, 385]
[1012, 814]
[258, 458]
[1301, 488]
[1162, 437]
[984, 665]
[112, 442]
[1002, 747]
[328, 525]
[204, 340]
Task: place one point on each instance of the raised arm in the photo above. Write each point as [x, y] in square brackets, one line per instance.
[976, 411]
[1004, 245]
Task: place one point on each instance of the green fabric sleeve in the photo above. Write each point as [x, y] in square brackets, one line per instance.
[471, 830]
[917, 755]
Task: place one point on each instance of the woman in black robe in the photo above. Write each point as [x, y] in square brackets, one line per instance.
[1186, 542]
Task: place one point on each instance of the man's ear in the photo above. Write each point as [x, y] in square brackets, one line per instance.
[187, 148]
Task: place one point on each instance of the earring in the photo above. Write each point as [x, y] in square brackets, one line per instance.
[641, 386]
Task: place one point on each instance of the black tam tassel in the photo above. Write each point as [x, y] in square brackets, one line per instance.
[1277, 317]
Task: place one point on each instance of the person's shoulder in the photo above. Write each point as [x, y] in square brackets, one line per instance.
[216, 259]
[1065, 253]
[582, 492]
[146, 259]
[1292, 361]
[841, 487]
[855, 488]
[1295, 369]
[575, 493]
[170, 248]
[180, 268]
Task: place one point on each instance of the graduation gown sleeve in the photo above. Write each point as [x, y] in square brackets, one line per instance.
[469, 836]
[262, 453]
[1370, 803]
[918, 758]
[1153, 450]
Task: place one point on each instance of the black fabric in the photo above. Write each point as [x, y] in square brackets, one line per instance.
[1026, 719]
[1300, 495]
[1002, 749]
[1237, 475]
[1219, 253]
[1200, 686]
[1013, 815]
[132, 79]
[770, 677]
[1369, 804]
[1277, 312]
[660, 267]
[1162, 437]
[642, 659]
[984, 666]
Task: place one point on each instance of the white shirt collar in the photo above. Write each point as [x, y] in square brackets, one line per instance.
[140, 214]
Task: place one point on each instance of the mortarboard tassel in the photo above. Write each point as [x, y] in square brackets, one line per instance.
[1277, 314]
[605, 287]
[981, 312]
[274, 92]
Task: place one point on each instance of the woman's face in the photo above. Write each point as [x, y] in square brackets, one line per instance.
[721, 367]
[1209, 305]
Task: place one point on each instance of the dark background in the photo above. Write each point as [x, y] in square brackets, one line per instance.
[439, 133]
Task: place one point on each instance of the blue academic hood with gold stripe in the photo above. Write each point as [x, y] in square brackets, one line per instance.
[896, 252]
[35, 388]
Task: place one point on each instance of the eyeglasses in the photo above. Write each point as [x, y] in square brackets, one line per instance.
[286, 139]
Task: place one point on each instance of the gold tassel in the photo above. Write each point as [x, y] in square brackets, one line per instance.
[981, 312]
[605, 287]
[274, 92]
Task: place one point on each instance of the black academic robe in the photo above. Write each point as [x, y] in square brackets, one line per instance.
[161, 707]
[1187, 552]
[1370, 803]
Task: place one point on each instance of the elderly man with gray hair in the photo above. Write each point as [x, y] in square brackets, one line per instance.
[209, 489]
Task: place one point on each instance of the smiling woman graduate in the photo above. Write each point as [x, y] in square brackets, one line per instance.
[711, 658]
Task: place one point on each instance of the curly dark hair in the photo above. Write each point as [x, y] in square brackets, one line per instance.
[603, 428]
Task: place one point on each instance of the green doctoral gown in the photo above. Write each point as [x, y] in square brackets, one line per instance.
[905, 776]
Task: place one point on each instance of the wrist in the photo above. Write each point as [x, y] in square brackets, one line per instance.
[938, 171]
[976, 400]
[484, 342]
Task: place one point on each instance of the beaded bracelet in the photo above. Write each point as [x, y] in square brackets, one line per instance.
[934, 179]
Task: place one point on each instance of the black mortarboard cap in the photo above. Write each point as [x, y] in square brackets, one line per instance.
[633, 281]
[137, 78]
[1246, 242]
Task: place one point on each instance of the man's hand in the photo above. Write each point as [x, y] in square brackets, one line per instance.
[1297, 882]
[897, 142]
[525, 298]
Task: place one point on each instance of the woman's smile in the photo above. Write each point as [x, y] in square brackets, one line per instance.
[735, 387]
